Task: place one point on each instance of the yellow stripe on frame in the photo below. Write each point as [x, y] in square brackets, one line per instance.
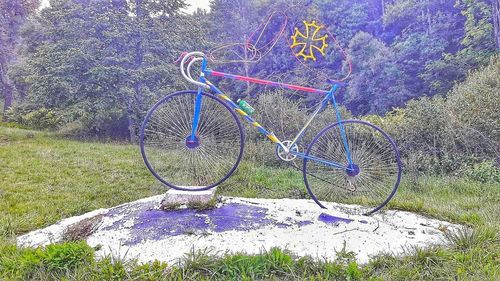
[256, 124]
[273, 138]
[241, 112]
[224, 97]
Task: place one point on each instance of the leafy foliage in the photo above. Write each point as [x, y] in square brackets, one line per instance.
[106, 64]
[376, 85]
[99, 65]
[13, 15]
[22, 263]
[487, 171]
[444, 134]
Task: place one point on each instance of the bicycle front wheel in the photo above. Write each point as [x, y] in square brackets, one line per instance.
[370, 181]
[185, 163]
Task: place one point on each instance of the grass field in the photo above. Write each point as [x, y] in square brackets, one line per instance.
[44, 178]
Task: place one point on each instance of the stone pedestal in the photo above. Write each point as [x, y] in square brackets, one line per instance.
[174, 197]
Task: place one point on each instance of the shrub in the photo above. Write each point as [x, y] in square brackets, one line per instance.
[484, 172]
[447, 134]
[285, 117]
[425, 136]
[41, 119]
[35, 118]
[12, 125]
[474, 103]
[278, 114]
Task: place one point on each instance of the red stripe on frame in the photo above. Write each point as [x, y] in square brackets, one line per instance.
[266, 82]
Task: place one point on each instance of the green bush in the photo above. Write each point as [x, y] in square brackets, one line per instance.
[12, 125]
[277, 114]
[483, 172]
[40, 118]
[445, 134]
[285, 117]
[474, 104]
[426, 137]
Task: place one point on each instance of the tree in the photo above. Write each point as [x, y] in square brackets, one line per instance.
[425, 30]
[13, 14]
[231, 22]
[346, 18]
[478, 25]
[377, 84]
[476, 45]
[100, 64]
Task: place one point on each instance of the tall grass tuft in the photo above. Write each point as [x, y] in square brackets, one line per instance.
[465, 238]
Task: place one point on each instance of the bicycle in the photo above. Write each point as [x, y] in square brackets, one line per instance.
[193, 140]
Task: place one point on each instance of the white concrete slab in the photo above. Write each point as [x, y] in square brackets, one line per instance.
[140, 230]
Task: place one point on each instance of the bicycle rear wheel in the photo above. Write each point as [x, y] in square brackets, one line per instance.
[370, 182]
[181, 162]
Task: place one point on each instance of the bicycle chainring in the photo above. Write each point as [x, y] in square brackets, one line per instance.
[287, 156]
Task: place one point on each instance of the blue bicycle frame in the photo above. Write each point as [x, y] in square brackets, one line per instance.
[329, 97]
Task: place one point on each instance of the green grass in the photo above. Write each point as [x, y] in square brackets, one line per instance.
[44, 178]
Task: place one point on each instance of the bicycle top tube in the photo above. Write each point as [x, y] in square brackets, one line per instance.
[263, 82]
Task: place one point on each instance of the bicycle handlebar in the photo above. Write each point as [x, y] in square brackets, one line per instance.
[191, 57]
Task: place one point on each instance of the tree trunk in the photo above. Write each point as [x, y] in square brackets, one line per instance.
[8, 97]
[496, 20]
[136, 99]
[7, 88]
[131, 125]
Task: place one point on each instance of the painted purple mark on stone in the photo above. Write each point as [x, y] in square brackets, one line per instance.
[153, 224]
[304, 223]
[363, 221]
[237, 217]
[126, 212]
[283, 225]
[332, 219]
[156, 224]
